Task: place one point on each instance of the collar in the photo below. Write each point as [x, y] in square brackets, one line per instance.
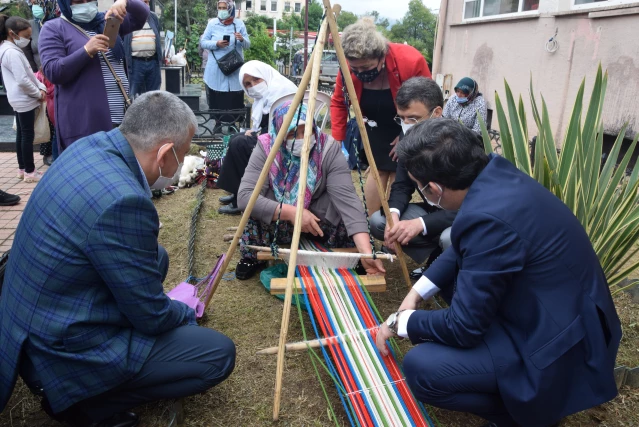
[145, 183]
[123, 146]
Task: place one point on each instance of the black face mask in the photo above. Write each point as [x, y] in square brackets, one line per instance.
[368, 75]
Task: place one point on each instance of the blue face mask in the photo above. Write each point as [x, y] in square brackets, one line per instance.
[462, 100]
[84, 12]
[223, 14]
[37, 11]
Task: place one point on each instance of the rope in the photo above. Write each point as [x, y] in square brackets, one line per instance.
[193, 231]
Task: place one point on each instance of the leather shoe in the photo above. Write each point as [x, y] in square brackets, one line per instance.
[225, 200]
[230, 210]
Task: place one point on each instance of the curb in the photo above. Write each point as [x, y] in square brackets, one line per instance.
[625, 376]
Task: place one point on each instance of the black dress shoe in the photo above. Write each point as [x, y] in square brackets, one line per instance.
[247, 268]
[7, 199]
[225, 200]
[229, 210]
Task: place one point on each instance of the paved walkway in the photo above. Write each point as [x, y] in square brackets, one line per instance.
[10, 215]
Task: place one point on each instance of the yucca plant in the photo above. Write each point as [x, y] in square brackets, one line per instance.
[604, 199]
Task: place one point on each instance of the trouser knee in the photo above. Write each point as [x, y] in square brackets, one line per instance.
[444, 239]
[224, 364]
[378, 225]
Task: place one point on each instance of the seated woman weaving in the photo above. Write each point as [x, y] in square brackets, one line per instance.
[333, 213]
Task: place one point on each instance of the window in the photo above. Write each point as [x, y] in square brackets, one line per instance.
[287, 6]
[481, 8]
[583, 4]
[249, 4]
[263, 5]
[298, 7]
[273, 5]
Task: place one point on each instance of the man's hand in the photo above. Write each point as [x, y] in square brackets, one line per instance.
[411, 301]
[393, 144]
[239, 37]
[310, 224]
[403, 231]
[390, 245]
[373, 266]
[222, 43]
[383, 334]
[118, 10]
[249, 132]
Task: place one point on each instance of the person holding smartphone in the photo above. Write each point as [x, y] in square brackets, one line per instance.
[73, 51]
[221, 36]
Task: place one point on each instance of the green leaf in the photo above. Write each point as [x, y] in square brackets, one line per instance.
[507, 148]
[488, 146]
[520, 143]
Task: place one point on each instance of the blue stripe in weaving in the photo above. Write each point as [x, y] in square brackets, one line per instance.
[370, 337]
[350, 367]
[329, 363]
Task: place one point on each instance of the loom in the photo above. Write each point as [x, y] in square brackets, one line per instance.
[373, 391]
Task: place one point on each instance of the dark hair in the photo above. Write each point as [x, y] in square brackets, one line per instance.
[420, 89]
[13, 23]
[442, 151]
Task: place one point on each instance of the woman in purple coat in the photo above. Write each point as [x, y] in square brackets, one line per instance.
[87, 98]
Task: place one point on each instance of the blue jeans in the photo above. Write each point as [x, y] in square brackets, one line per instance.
[144, 76]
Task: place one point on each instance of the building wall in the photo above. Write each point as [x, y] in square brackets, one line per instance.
[499, 49]
[281, 4]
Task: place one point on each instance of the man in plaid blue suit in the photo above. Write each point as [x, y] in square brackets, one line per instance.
[83, 315]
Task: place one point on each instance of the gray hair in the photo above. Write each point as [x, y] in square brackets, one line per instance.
[420, 89]
[157, 116]
[361, 40]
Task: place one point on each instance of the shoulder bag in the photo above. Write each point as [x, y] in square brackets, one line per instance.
[230, 62]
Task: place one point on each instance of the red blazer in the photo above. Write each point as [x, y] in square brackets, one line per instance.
[402, 62]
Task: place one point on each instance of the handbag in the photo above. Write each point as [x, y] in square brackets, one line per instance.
[41, 127]
[127, 100]
[230, 62]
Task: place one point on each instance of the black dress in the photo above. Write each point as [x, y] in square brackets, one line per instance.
[379, 106]
[237, 158]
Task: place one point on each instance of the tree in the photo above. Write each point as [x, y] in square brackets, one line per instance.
[291, 20]
[261, 46]
[417, 28]
[381, 22]
[253, 20]
[345, 19]
[315, 13]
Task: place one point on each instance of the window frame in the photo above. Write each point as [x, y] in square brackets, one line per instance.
[274, 2]
[295, 9]
[249, 4]
[599, 4]
[287, 9]
[520, 11]
[263, 6]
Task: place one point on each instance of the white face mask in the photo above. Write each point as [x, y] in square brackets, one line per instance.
[258, 91]
[84, 12]
[21, 42]
[406, 126]
[163, 181]
[296, 149]
[437, 205]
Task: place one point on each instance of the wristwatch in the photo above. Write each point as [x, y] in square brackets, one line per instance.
[392, 321]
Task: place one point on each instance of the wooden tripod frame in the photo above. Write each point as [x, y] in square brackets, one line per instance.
[311, 74]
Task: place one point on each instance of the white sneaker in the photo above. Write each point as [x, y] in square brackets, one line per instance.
[34, 176]
[20, 174]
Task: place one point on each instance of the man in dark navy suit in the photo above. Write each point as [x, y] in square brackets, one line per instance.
[531, 332]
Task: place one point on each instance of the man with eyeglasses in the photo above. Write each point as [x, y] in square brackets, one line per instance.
[422, 229]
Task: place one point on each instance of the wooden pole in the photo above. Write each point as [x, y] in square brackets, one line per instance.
[346, 72]
[297, 228]
[299, 97]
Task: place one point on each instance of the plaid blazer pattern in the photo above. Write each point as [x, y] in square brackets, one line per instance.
[82, 296]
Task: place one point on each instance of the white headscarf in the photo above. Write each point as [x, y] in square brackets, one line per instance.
[278, 86]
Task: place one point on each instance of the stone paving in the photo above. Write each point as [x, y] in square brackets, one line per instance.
[10, 215]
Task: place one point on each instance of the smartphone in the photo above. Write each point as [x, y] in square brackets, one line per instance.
[111, 30]
[227, 38]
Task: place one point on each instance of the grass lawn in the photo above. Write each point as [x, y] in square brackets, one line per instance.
[251, 317]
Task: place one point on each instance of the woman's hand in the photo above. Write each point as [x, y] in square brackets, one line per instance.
[310, 224]
[43, 95]
[97, 43]
[118, 10]
[239, 37]
[249, 132]
[373, 266]
[393, 144]
[222, 43]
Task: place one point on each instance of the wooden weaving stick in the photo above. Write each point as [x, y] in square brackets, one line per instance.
[266, 256]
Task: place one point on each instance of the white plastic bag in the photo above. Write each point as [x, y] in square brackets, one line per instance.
[41, 127]
[15, 125]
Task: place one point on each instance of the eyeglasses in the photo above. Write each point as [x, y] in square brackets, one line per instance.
[409, 120]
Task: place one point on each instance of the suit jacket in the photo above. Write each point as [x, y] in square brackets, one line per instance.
[81, 105]
[402, 190]
[154, 23]
[526, 281]
[402, 62]
[83, 297]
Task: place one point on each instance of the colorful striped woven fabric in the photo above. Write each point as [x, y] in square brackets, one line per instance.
[371, 387]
